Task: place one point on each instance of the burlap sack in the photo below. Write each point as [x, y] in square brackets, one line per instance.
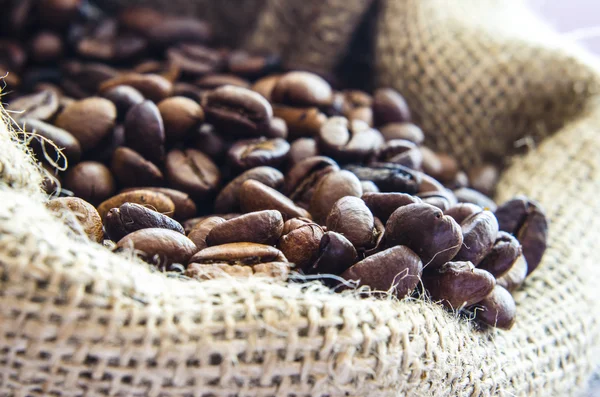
[77, 320]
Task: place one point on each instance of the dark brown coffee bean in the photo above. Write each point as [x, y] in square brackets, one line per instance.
[48, 140]
[90, 181]
[301, 149]
[436, 238]
[151, 86]
[479, 235]
[212, 81]
[161, 247]
[57, 13]
[348, 141]
[180, 116]
[187, 90]
[89, 120]
[438, 165]
[400, 151]
[484, 178]
[85, 78]
[277, 128]
[250, 65]
[157, 201]
[301, 122]
[195, 60]
[145, 131]
[131, 169]
[130, 217]
[228, 198]
[192, 172]
[265, 85]
[396, 270]
[104, 151]
[466, 195]
[407, 131]
[168, 70]
[458, 284]
[500, 259]
[429, 184]
[200, 231]
[86, 214]
[515, 277]
[443, 200]
[239, 254]
[336, 254]
[304, 176]
[497, 310]
[209, 141]
[39, 106]
[124, 97]
[382, 205]
[389, 107]
[462, 211]
[173, 30]
[302, 89]
[300, 242]
[255, 196]
[261, 227]
[139, 19]
[351, 217]
[369, 187]
[185, 208]
[331, 188]
[389, 177]
[251, 153]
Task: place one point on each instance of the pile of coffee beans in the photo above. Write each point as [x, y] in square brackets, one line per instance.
[210, 161]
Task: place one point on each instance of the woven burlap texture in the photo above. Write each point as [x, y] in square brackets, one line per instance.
[77, 320]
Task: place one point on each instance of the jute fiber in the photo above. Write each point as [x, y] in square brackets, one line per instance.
[480, 75]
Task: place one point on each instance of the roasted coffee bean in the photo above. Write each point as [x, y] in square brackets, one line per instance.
[209, 142]
[301, 122]
[466, 195]
[151, 86]
[389, 107]
[304, 176]
[251, 153]
[185, 208]
[42, 105]
[348, 141]
[369, 187]
[154, 200]
[261, 227]
[430, 185]
[336, 254]
[161, 247]
[396, 270]
[200, 231]
[351, 217]
[444, 200]
[173, 30]
[187, 90]
[526, 220]
[57, 13]
[302, 89]
[84, 79]
[407, 131]
[364, 114]
[484, 178]
[460, 180]
[256, 196]
[301, 149]
[300, 242]
[389, 177]
[458, 284]
[479, 235]
[48, 140]
[272, 270]
[331, 188]
[89, 120]
[86, 214]
[195, 60]
[498, 309]
[250, 65]
[265, 85]
[145, 131]
[168, 70]
[192, 172]
[238, 111]
[104, 151]
[248, 254]
[90, 181]
[438, 165]
[130, 217]
[400, 151]
[277, 128]
[515, 276]
[124, 98]
[382, 205]
[51, 181]
[228, 199]
[212, 81]
[501, 258]
[180, 116]
[436, 238]
[462, 211]
[139, 19]
[131, 169]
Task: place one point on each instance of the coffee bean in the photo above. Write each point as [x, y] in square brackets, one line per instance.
[39, 106]
[172, 30]
[154, 200]
[208, 141]
[151, 86]
[131, 169]
[351, 217]
[460, 180]
[139, 19]
[429, 184]
[180, 115]
[389, 107]
[248, 254]
[436, 238]
[130, 217]
[192, 172]
[250, 65]
[124, 98]
[255, 196]
[277, 128]
[302, 89]
[301, 122]
[389, 177]
[479, 235]
[273, 270]
[89, 120]
[407, 131]
[304, 176]
[238, 111]
[331, 188]
[51, 181]
[104, 151]
[396, 270]
[458, 284]
[400, 151]
[466, 195]
[251, 153]
[187, 90]
[185, 208]
[51, 143]
[57, 13]
[462, 211]
[500, 259]
[484, 178]
[438, 165]
[369, 187]
[195, 60]
[515, 277]
[200, 231]
[85, 79]
[161, 247]
[212, 81]
[261, 227]
[300, 242]
[90, 181]
[228, 198]
[443, 200]
[498, 309]
[382, 205]
[145, 132]
[348, 141]
[86, 214]
[265, 85]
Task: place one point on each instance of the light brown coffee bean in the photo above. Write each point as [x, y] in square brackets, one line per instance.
[151, 86]
[89, 120]
[330, 189]
[180, 116]
[86, 214]
[200, 231]
[261, 227]
[160, 247]
[351, 217]
[256, 196]
[153, 200]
